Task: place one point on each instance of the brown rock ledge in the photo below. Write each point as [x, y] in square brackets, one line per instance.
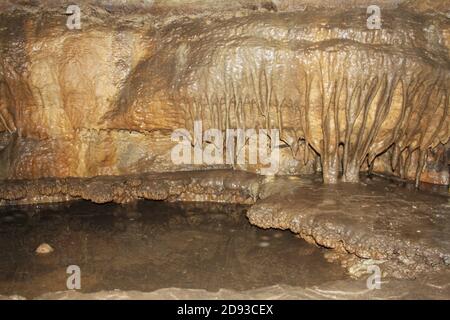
[405, 231]
[376, 222]
[213, 185]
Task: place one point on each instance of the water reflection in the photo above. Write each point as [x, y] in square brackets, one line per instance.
[151, 245]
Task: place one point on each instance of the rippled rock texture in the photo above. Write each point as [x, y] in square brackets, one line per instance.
[406, 232]
[434, 286]
[105, 99]
[213, 185]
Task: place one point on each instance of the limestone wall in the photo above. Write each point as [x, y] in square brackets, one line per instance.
[105, 99]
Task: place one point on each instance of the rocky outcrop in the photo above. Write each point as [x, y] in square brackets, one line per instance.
[105, 99]
[214, 185]
[405, 232]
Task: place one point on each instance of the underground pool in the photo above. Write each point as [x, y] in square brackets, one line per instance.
[149, 246]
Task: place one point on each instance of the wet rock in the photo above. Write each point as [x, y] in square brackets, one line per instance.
[44, 249]
[213, 185]
[369, 223]
[89, 114]
[447, 260]
[105, 100]
[384, 229]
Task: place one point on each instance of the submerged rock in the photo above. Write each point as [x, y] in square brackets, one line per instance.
[44, 248]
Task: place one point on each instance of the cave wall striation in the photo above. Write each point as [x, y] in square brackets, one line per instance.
[105, 99]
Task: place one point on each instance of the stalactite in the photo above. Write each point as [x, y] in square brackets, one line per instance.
[346, 100]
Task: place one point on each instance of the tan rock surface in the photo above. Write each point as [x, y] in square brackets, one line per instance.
[104, 100]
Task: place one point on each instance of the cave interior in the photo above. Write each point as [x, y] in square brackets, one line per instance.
[231, 149]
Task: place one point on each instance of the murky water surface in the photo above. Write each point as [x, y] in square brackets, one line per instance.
[149, 246]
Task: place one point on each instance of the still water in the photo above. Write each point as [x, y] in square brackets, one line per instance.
[151, 245]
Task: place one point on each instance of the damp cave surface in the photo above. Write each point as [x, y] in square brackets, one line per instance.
[149, 246]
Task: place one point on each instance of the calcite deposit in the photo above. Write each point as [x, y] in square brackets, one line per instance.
[104, 99]
[406, 232]
[90, 112]
[376, 221]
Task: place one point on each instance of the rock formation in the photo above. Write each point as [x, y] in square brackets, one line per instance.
[104, 100]
[90, 112]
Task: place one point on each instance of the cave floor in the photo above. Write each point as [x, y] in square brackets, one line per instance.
[159, 250]
[434, 286]
[403, 230]
[209, 250]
